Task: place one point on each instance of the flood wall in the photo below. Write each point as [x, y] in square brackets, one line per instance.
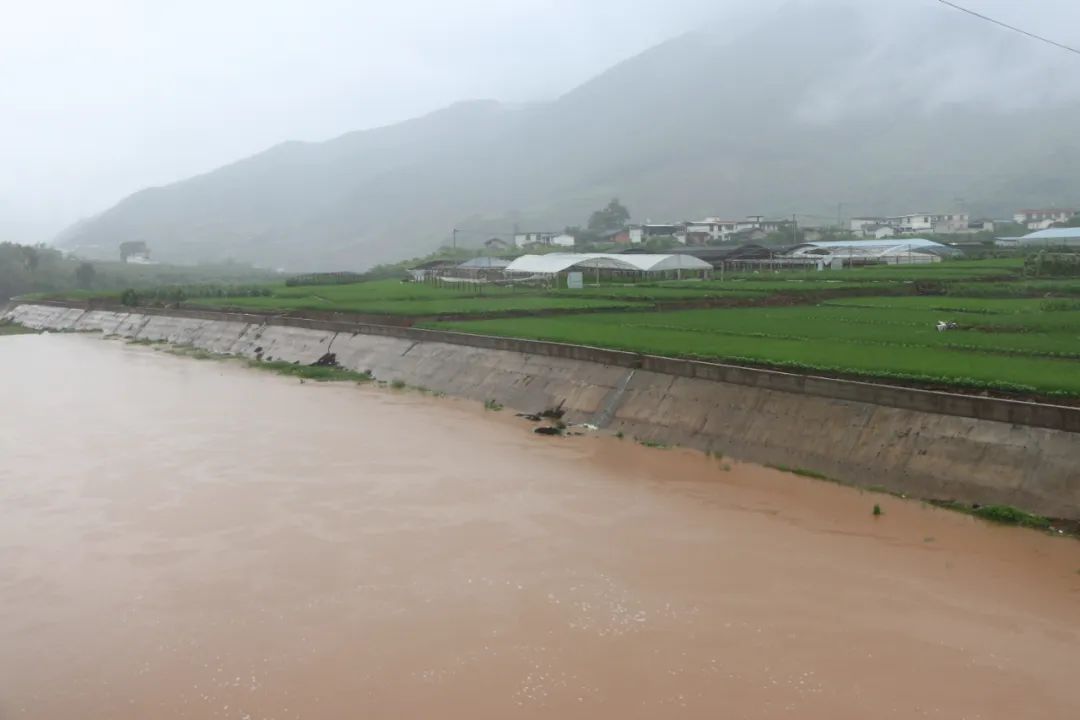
[925, 444]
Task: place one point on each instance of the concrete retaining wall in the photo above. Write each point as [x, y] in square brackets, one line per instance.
[925, 444]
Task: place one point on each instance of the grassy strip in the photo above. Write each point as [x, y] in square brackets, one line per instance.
[802, 472]
[318, 373]
[10, 328]
[1001, 514]
[312, 372]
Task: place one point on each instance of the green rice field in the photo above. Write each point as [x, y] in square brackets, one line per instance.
[392, 297]
[1012, 333]
[1028, 345]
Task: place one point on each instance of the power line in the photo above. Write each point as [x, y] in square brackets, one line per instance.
[1009, 27]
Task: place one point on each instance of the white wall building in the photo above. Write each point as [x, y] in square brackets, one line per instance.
[1042, 219]
[642, 233]
[911, 224]
[564, 240]
[864, 226]
[534, 238]
[712, 229]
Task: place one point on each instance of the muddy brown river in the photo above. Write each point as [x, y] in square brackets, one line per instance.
[195, 539]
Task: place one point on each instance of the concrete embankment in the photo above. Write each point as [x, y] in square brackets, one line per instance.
[925, 444]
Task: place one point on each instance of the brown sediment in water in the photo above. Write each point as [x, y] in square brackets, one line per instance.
[185, 539]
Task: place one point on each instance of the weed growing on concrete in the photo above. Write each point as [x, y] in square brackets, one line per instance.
[726, 467]
[312, 372]
[397, 384]
[492, 405]
[801, 471]
[877, 510]
[620, 435]
[1007, 515]
[11, 328]
[193, 352]
[1002, 514]
[654, 444]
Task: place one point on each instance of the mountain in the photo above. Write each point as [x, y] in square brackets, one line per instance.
[819, 105]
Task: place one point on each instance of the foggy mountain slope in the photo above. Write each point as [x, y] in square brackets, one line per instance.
[820, 105]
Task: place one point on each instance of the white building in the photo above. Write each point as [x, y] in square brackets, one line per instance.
[712, 229]
[534, 238]
[865, 226]
[911, 224]
[947, 223]
[563, 240]
[1042, 219]
[643, 233]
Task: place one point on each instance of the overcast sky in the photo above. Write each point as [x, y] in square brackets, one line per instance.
[99, 99]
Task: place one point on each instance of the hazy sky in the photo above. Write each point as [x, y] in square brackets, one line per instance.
[99, 99]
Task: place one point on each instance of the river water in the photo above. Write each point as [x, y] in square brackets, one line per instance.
[195, 539]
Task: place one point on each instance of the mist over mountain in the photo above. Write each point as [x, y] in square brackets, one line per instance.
[820, 105]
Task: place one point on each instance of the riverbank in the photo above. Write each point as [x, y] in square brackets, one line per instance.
[936, 446]
[194, 539]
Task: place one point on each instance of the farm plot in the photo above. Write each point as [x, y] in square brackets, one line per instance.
[392, 297]
[1006, 345]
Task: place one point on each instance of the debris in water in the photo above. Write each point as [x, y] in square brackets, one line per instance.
[547, 431]
[554, 413]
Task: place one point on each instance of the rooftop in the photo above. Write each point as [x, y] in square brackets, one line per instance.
[560, 262]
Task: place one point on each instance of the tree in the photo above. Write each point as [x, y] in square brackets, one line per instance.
[31, 259]
[84, 275]
[133, 247]
[611, 218]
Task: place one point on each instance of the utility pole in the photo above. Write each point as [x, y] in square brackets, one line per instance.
[794, 229]
[453, 239]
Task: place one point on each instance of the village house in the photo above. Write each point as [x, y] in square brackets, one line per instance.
[710, 230]
[522, 239]
[643, 233]
[1042, 219]
[619, 237]
[713, 230]
[560, 239]
[911, 224]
